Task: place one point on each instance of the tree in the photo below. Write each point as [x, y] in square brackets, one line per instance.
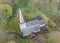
[5, 12]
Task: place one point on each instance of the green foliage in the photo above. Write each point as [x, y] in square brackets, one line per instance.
[10, 2]
[0, 41]
[12, 25]
[22, 40]
[6, 8]
[23, 3]
[5, 12]
[31, 9]
[30, 17]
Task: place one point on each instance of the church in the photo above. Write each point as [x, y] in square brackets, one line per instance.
[33, 26]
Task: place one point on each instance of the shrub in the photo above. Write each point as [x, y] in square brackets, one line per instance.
[5, 12]
[6, 8]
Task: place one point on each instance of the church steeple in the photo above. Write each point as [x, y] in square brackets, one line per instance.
[21, 17]
[22, 21]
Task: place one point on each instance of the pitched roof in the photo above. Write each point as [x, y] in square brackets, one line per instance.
[35, 22]
[32, 26]
[29, 30]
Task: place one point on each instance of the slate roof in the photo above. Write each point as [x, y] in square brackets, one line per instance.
[35, 22]
[32, 26]
[29, 30]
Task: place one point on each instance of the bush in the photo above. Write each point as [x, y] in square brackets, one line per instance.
[6, 8]
[5, 13]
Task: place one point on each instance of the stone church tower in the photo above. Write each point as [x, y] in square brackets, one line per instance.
[22, 21]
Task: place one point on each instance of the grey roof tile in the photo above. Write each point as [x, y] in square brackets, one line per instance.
[27, 31]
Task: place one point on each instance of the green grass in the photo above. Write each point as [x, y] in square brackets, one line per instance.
[36, 10]
[30, 12]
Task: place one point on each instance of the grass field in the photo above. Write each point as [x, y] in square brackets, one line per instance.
[49, 10]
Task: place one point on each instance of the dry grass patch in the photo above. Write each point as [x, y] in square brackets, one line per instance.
[54, 37]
